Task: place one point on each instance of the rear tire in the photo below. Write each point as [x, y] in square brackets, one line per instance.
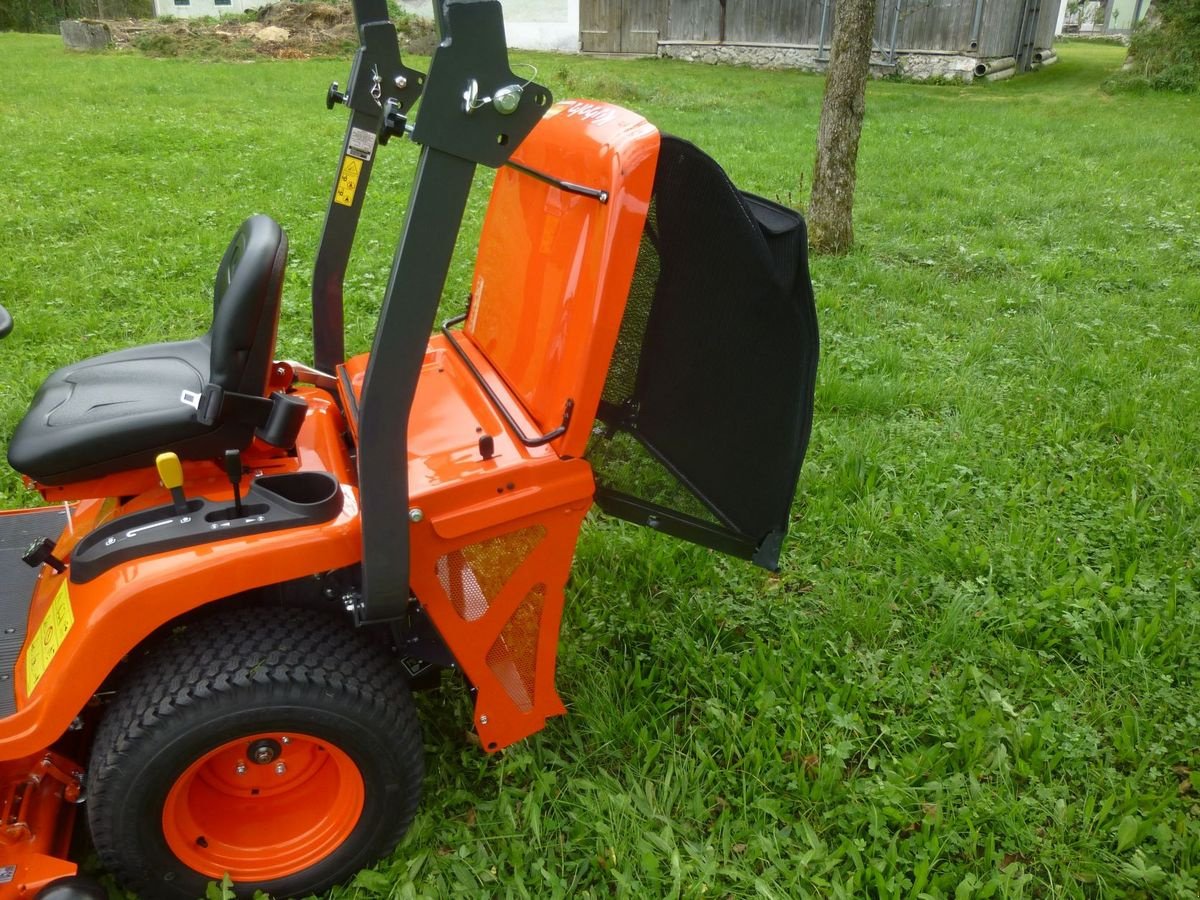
[278, 745]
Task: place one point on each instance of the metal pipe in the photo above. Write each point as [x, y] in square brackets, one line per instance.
[990, 66]
[824, 22]
[976, 26]
[895, 26]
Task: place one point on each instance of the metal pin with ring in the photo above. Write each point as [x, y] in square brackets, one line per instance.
[505, 100]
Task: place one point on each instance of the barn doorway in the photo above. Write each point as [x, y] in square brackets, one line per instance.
[619, 26]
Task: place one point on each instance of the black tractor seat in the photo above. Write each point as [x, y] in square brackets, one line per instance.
[197, 398]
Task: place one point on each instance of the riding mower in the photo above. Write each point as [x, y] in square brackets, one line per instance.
[212, 631]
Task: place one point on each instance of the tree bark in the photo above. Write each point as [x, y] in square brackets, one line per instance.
[830, 210]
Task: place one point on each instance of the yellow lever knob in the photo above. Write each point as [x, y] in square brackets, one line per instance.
[170, 470]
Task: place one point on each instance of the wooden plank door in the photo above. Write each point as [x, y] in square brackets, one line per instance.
[600, 26]
[619, 26]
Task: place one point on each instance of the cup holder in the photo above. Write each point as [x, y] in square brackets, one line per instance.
[315, 496]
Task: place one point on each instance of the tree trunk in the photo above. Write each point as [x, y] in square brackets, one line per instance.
[830, 211]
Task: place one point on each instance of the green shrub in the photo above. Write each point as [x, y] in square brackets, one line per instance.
[1164, 55]
[44, 15]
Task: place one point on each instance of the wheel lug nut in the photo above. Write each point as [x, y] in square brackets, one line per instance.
[240, 768]
[280, 768]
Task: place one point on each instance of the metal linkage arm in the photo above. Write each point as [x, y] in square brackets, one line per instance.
[475, 111]
[379, 82]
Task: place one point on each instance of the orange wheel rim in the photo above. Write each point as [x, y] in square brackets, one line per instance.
[263, 806]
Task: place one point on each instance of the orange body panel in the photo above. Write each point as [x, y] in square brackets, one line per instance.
[116, 610]
[554, 267]
[467, 502]
[494, 538]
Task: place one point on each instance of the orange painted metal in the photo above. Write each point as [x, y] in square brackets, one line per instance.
[37, 813]
[260, 821]
[465, 501]
[493, 543]
[554, 267]
[122, 606]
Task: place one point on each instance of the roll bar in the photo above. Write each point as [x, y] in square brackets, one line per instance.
[476, 111]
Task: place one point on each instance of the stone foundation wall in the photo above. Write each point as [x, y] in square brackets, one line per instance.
[910, 64]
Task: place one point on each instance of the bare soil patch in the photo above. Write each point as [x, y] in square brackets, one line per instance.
[281, 30]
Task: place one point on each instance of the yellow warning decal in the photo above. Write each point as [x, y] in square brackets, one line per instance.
[48, 638]
[348, 181]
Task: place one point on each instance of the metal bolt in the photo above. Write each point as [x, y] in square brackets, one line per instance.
[415, 515]
[280, 768]
[483, 720]
[285, 739]
[400, 81]
[263, 755]
[240, 768]
[507, 99]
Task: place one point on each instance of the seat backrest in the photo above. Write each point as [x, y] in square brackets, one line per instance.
[246, 299]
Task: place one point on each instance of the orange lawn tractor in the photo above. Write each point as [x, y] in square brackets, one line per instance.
[211, 634]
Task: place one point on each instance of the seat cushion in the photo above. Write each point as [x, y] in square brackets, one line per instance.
[118, 411]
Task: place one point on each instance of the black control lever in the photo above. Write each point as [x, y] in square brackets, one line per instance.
[233, 468]
[41, 553]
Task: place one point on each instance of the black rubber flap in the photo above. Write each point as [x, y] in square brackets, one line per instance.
[715, 366]
[17, 532]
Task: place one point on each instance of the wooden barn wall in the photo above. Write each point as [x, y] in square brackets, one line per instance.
[774, 21]
[1000, 24]
[924, 24]
[1046, 25]
[692, 20]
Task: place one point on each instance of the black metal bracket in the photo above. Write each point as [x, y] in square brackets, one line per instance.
[538, 441]
[764, 552]
[476, 107]
[380, 91]
[377, 74]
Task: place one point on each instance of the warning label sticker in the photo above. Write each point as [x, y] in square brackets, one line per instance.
[362, 143]
[348, 181]
[48, 638]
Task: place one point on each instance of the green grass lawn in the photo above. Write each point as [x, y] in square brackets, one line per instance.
[976, 674]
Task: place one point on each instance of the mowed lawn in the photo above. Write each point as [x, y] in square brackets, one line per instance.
[975, 675]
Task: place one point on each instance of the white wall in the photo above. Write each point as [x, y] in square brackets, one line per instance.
[529, 24]
[195, 8]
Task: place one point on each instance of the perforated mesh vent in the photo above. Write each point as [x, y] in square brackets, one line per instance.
[474, 575]
[513, 658]
[620, 385]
